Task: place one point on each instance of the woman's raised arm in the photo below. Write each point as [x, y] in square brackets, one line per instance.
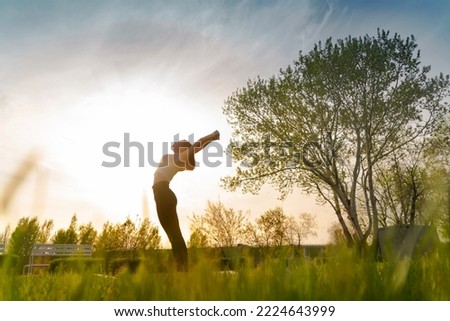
[202, 142]
[199, 145]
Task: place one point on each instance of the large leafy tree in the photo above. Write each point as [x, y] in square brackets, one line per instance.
[28, 232]
[324, 123]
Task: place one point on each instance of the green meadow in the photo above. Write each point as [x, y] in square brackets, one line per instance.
[340, 275]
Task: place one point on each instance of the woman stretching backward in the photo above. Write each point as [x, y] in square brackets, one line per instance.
[166, 202]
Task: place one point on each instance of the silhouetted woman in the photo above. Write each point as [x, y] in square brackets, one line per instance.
[165, 199]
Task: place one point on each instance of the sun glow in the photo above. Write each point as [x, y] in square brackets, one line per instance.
[148, 115]
[70, 142]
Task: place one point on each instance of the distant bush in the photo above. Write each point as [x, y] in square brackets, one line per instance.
[9, 262]
[77, 265]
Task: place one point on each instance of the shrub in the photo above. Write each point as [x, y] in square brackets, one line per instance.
[9, 262]
[77, 265]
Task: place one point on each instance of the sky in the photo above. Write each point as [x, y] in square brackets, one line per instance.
[75, 75]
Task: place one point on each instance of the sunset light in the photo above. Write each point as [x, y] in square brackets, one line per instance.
[319, 131]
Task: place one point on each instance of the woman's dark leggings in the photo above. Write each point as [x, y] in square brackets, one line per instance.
[166, 206]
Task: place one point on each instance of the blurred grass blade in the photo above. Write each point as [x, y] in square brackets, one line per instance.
[16, 180]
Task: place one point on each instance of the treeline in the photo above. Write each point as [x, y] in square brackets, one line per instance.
[125, 236]
[217, 227]
[220, 226]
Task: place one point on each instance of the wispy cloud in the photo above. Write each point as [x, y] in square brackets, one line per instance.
[63, 63]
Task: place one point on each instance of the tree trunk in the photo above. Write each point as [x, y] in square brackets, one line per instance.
[347, 234]
[373, 203]
[414, 197]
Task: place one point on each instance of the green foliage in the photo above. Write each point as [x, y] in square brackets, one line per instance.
[323, 123]
[128, 236]
[4, 236]
[87, 234]
[223, 227]
[198, 238]
[274, 229]
[24, 236]
[273, 225]
[76, 265]
[69, 235]
[336, 235]
[26, 233]
[147, 236]
[401, 187]
[344, 275]
[46, 229]
[437, 154]
[9, 262]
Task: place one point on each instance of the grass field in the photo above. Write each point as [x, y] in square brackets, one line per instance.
[342, 276]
